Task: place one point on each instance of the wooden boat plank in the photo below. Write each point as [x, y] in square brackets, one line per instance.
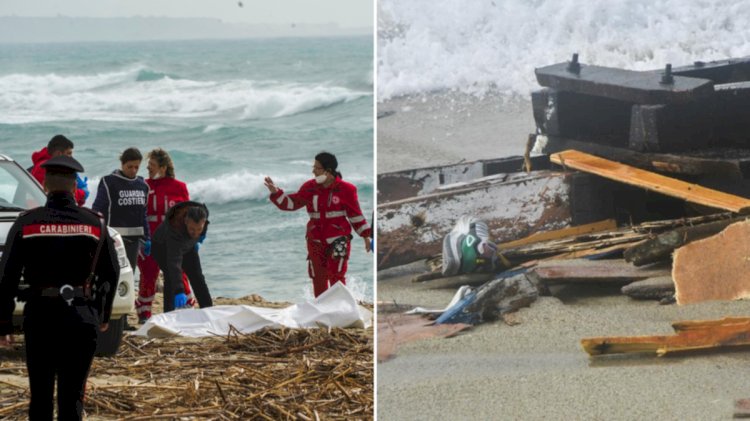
[666, 185]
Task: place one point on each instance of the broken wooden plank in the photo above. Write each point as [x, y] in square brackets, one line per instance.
[691, 335]
[583, 270]
[729, 168]
[623, 85]
[715, 268]
[655, 288]
[651, 181]
[662, 246]
[537, 237]
[397, 329]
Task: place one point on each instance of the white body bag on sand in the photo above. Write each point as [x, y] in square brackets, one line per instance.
[334, 308]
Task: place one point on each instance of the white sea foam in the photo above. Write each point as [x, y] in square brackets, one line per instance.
[245, 185]
[128, 95]
[478, 47]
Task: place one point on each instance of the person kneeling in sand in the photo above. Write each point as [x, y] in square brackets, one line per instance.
[175, 249]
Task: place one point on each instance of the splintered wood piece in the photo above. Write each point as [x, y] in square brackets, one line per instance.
[397, 329]
[538, 237]
[650, 181]
[715, 268]
[691, 335]
[662, 246]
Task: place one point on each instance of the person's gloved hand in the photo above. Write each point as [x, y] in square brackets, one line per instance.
[147, 248]
[83, 184]
[180, 300]
[200, 241]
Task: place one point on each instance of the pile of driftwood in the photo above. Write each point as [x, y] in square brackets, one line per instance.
[271, 374]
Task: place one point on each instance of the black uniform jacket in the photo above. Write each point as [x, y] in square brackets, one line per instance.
[52, 246]
[171, 242]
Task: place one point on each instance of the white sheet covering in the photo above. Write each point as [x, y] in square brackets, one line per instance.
[334, 308]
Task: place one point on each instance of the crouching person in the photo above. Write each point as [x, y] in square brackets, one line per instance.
[175, 249]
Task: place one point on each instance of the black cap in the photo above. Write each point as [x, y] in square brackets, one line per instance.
[62, 164]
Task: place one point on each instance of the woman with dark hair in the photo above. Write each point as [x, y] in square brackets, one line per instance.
[165, 191]
[121, 198]
[334, 211]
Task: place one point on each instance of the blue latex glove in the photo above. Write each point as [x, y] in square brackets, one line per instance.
[200, 241]
[147, 248]
[180, 300]
[83, 184]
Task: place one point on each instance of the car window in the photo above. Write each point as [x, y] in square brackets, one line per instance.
[18, 189]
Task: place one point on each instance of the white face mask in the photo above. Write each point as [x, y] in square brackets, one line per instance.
[320, 179]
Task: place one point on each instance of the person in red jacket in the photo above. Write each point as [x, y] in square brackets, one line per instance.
[334, 211]
[164, 192]
[57, 146]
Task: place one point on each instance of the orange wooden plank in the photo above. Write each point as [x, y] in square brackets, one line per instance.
[691, 335]
[651, 181]
[538, 237]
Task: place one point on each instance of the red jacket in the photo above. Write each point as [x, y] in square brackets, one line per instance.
[163, 194]
[333, 210]
[40, 157]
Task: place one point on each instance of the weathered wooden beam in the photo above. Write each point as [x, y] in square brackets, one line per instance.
[714, 268]
[592, 271]
[583, 117]
[720, 120]
[729, 168]
[719, 71]
[661, 247]
[623, 85]
[399, 185]
[691, 335]
[651, 181]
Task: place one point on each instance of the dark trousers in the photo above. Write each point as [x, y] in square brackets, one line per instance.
[132, 243]
[191, 265]
[60, 341]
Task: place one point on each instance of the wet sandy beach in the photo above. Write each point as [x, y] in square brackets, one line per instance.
[537, 369]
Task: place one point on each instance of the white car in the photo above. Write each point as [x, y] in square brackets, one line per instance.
[20, 191]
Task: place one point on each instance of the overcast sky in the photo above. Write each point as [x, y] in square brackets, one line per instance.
[346, 13]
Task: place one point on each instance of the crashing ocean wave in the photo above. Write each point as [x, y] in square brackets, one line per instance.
[142, 94]
[492, 47]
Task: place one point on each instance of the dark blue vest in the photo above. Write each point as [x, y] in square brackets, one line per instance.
[126, 204]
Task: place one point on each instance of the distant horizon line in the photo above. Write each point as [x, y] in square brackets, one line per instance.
[206, 18]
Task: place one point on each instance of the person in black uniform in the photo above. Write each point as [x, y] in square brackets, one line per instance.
[68, 260]
[175, 249]
[121, 198]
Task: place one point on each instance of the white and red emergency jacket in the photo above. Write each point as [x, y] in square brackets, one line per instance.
[163, 193]
[333, 210]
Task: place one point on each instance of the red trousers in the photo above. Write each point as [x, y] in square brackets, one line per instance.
[147, 286]
[325, 270]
